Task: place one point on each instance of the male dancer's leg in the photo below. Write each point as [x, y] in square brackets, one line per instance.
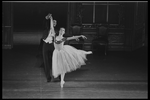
[50, 64]
[46, 62]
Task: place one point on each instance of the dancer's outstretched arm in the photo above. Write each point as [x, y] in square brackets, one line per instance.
[52, 32]
[76, 37]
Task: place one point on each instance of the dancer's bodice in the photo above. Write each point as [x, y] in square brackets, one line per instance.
[58, 44]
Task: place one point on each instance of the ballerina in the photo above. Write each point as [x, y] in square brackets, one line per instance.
[65, 57]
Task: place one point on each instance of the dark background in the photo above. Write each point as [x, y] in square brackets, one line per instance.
[31, 16]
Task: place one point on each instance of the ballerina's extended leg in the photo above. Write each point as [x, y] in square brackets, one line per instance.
[89, 52]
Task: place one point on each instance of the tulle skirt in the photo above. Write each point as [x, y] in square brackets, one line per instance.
[67, 59]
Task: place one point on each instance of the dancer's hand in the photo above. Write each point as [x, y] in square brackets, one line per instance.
[84, 37]
[49, 16]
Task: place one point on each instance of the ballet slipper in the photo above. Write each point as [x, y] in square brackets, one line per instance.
[62, 83]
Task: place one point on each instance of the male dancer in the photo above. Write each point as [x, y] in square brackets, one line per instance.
[48, 49]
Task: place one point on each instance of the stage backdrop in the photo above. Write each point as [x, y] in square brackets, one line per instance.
[29, 20]
[30, 16]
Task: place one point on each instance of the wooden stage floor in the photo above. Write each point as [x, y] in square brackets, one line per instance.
[117, 75]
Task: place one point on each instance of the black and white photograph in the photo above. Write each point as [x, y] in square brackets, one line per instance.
[74, 49]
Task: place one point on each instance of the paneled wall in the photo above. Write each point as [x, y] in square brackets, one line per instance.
[96, 14]
[139, 36]
[7, 27]
[124, 20]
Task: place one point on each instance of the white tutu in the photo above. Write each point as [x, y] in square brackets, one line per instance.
[67, 59]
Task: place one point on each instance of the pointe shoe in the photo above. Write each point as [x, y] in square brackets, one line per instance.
[62, 83]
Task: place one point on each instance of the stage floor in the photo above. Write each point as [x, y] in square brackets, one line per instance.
[117, 75]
